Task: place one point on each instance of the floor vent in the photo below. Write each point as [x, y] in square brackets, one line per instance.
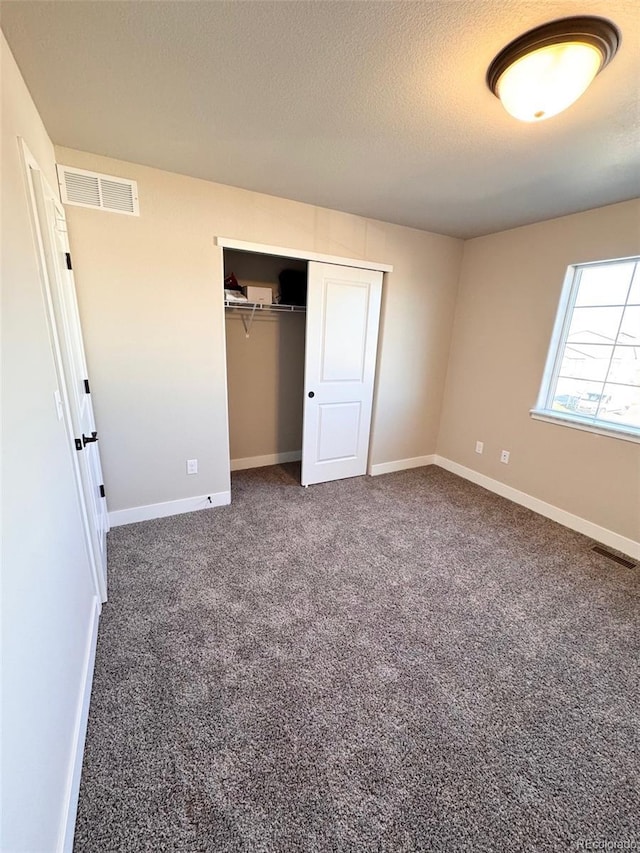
[103, 192]
[611, 556]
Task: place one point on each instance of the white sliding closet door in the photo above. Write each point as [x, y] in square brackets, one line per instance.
[343, 310]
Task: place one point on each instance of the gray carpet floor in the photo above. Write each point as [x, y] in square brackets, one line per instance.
[400, 663]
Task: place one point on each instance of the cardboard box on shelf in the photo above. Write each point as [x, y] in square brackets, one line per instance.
[262, 295]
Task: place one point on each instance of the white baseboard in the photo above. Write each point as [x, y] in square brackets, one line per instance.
[575, 522]
[68, 823]
[161, 510]
[402, 465]
[263, 461]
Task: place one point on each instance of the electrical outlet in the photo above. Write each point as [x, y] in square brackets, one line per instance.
[192, 466]
[504, 456]
[479, 446]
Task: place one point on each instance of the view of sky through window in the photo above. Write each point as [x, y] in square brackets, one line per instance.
[599, 356]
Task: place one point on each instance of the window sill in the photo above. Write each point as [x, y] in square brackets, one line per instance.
[621, 432]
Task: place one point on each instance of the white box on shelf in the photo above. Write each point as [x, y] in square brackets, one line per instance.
[262, 295]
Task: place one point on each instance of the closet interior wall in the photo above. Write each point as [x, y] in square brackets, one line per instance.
[265, 369]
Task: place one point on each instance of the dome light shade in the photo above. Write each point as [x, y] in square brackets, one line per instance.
[547, 81]
[545, 70]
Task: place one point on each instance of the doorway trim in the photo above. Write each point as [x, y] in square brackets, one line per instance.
[33, 179]
[299, 254]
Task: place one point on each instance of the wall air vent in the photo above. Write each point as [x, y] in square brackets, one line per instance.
[104, 192]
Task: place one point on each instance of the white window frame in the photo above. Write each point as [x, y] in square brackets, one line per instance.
[543, 410]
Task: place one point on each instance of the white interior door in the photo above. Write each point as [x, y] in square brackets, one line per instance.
[63, 296]
[343, 311]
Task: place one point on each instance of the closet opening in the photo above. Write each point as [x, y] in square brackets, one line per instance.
[265, 314]
[301, 332]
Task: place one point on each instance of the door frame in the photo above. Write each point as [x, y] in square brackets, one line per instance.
[65, 304]
[300, 254]
[33, 175]
[223, 243]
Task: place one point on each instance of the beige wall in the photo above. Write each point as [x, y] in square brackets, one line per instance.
[509, 291]
[48, 596]
[150, 296]
[265, 379]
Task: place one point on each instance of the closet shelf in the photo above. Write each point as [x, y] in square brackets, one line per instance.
[259, 306]
[254, 307]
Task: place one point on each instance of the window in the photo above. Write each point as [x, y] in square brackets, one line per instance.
[592, 377]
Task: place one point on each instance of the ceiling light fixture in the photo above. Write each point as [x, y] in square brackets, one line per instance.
[544, 71]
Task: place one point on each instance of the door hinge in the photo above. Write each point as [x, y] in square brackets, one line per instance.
[102, 494]
[87, 390]
[79, 444]
[68, 258]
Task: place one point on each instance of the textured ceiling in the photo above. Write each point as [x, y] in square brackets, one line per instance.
[377, 108]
